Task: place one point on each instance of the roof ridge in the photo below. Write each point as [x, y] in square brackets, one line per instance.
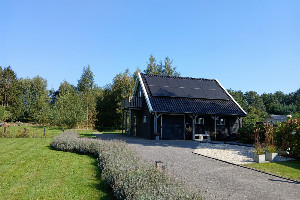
[178, 77]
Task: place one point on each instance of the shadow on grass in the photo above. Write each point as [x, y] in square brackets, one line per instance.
[101, 186]
[110, 133]
[87, 135]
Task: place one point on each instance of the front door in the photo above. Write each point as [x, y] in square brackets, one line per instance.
[173, 127]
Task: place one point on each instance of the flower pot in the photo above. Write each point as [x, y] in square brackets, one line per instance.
[260, 158]
[156, 137]
[271, 156]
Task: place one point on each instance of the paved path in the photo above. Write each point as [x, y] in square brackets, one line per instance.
[214, 179]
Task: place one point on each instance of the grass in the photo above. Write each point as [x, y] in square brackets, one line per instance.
[33, 131]
[31, 170]
[287, 169]
[90, 133]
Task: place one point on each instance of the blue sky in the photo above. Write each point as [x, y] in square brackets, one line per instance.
[246, 45]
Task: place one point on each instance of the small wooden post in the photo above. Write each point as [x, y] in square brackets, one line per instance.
[4, 129]
[44, 131]
[63, 130]
[159, 166]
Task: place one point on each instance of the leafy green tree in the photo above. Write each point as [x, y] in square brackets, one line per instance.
[106, 109]
[109, 105]
[68, 110]
[163, 68]
[9, 92]
[239, 97]
[8, 86]
[4, 114]
[167, 68]
[86, 87]
[278, 103]
[153, 67]
[35, 100]
[296, 98]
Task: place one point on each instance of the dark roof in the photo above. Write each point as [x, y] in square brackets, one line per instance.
[189, 95]
[166, 86]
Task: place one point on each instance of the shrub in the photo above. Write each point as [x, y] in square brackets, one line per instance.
[287, 136]
[123, 171]
[246, 133]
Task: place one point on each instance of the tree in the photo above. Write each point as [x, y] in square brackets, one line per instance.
[163, 68]
[86, 88]
[68, 110]
[239, 97]
[8, 86]
[9, 92]
[4, 114]
[152, 67]
[167, 68]
[109, 105]
[35, 100]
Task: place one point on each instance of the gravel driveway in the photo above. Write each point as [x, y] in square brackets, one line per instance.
[213, 179]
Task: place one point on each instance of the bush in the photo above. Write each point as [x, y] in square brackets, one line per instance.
[246, 133]
[287, 136]
[123, 171]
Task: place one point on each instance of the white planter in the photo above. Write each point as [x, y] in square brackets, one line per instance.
[259, 158]
[156, 137]
[271, 156]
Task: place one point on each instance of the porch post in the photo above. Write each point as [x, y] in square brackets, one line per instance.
[129, 128]
[194, 131]
[122, 121]
[184, 127]
[126, 122]
[155, 122]
[194, 127]
[161, 127]
[215, 127]
[215, 118]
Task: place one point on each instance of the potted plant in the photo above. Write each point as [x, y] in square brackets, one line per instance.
[156, 136]
[271, 152]
[259, 155]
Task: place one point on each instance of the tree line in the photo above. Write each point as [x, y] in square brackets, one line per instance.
[86, 105]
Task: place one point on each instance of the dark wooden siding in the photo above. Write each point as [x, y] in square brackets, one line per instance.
[144, 129]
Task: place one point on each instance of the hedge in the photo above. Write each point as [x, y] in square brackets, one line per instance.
[123, 171]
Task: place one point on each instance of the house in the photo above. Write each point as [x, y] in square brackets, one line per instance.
[180, 108]
[274, 119]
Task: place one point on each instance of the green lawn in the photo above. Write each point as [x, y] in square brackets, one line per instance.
[29, 169]
[288, 169]
[33, 131]
[89, 133]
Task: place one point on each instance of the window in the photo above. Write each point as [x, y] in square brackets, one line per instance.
[140, 93]
[221, 121]
[200, 120]
[145, 119]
